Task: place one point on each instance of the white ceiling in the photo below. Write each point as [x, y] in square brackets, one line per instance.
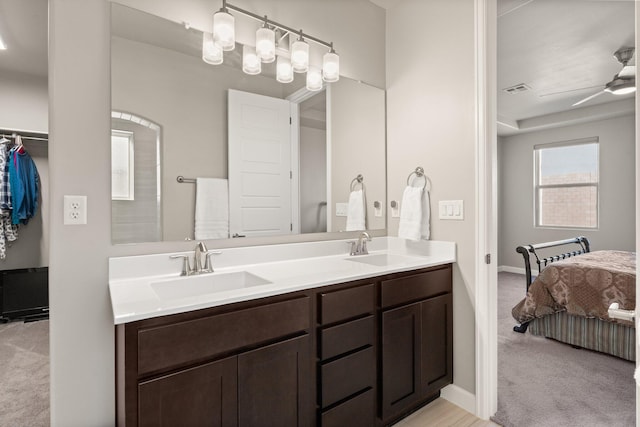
[561, 49]
[23, 27]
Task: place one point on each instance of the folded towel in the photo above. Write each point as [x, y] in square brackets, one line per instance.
[212, 209]
[414, 214]
[356, 213]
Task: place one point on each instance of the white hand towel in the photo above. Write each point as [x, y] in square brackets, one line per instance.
[356, 213]
[212, 209]
[414, 214]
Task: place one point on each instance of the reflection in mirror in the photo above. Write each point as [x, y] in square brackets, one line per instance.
[157, 73]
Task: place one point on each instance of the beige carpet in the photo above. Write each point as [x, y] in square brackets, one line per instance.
[542, 382]
[24, 374]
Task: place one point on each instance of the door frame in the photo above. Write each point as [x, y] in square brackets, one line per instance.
[295, 99]
[486, 275]
[486, 22]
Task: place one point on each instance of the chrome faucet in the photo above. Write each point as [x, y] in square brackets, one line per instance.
[201, 248]
[198, 268]
[359, 247]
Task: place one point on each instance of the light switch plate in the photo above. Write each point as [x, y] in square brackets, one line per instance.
[451, 209]
[342, 209]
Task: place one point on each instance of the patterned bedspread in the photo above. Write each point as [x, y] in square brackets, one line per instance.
[584, 285]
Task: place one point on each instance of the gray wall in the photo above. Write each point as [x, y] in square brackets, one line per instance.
[81, 327]
[313, 180]
[616, 190]
[431, 123]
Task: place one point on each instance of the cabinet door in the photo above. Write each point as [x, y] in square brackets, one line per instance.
[437, 345]
[400, 358]
[201, 396]
[274, 385]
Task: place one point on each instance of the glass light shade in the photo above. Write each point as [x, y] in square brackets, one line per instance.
[250, 62]
[330, 67]
[211, 52]
[224, 30]
[266, 44]
[314, 79]
[284, 72]
[300, 56]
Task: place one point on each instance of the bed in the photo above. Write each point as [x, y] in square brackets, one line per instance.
[569, 299]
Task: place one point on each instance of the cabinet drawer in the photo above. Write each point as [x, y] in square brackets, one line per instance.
[347, 303]
[416, 287]
[194, 340]
[347, 376]
[349, 336]
[357, 412]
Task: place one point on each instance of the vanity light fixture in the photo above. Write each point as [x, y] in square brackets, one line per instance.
[224, 29]
[266, 43]
[300, 55]
[295, 59]
[314, 79]
[284, 71]
[250, 62]
[211, 52]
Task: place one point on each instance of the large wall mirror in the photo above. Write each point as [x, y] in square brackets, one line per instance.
[195, 145]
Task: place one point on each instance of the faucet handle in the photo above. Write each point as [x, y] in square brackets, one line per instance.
[208, 266]
[186, 267]
[352, 248]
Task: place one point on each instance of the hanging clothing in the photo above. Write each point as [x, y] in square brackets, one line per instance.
[24, 182]
[5, 188]
[8, 233]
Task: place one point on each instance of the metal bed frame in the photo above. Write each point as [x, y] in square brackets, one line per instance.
[527, 250]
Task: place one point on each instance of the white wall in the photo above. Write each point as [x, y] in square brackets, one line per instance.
[616, 199]
[81, 328]
[431, 123]
[24, 103]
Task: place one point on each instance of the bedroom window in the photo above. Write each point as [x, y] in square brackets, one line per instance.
[121, 165]
[566, 184]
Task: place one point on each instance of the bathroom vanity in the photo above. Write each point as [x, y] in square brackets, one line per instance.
[364, 345]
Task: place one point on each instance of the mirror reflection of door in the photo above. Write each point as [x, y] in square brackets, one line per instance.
[260, 173]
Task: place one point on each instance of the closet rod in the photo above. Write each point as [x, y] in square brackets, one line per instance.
[32, 136]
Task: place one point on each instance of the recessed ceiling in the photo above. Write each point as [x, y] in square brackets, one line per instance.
[23, 27]
[562, 50]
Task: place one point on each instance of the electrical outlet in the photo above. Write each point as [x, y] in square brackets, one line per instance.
[75, 210]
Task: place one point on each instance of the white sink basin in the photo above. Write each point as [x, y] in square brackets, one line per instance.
[191, 286]
[383, 260]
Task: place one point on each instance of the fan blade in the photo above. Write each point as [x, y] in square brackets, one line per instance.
[588, 98]
[627, 71]
[568, 90]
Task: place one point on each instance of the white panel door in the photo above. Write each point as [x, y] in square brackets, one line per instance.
[259, 165]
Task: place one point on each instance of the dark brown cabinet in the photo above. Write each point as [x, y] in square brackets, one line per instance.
[347, 354]
[205, 395]
[360, 354]
[274, 385]
[417, 341]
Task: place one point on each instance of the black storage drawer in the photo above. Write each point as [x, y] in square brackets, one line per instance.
[24, 293]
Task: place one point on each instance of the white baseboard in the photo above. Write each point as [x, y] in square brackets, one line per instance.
[460, 397]
[508, 269]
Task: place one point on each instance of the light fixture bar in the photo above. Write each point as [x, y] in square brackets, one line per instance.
[257, 17]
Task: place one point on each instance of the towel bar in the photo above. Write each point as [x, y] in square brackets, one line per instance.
[419, 173]
[357, 180]
[182, 180]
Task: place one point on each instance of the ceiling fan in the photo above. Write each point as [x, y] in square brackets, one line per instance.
[622, 83]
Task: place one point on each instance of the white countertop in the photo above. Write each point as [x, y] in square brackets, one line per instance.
[287, 268]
